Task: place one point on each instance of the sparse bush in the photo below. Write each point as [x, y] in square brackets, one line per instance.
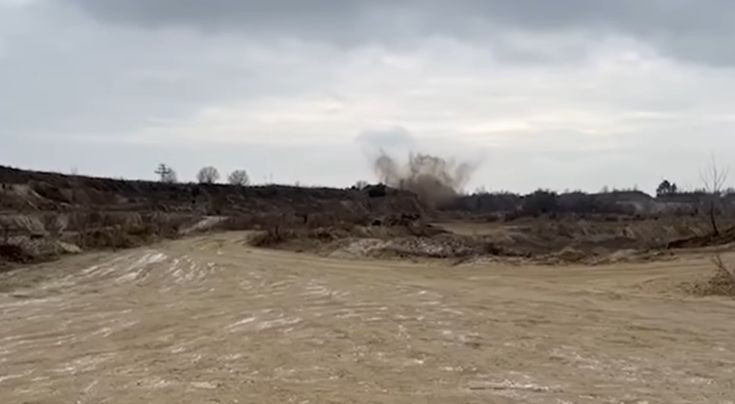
[238, 222]
[273, 236]
[5, 232]
[714, 178]
[55, 224]
[208, 175]
[723, 281]
[239, 177]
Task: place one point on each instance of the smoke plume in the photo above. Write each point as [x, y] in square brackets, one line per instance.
[433, 179]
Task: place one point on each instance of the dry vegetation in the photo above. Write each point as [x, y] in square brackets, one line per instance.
[723, 280]
[45, 215]
[48, 215]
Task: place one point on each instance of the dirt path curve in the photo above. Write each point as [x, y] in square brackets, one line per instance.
[209, 320]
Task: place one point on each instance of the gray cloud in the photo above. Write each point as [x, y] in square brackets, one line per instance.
[67, 74]
[386, 138]
[688, 29]
[534, 89]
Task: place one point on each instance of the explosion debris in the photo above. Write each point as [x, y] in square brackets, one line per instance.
[435, 180]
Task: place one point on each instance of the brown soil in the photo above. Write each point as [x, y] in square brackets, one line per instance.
[212, 320]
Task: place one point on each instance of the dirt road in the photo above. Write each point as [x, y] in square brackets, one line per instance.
[210, 320]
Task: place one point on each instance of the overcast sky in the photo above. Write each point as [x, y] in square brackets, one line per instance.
[563, 94]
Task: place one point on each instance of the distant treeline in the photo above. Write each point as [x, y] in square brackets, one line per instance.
[611, 202]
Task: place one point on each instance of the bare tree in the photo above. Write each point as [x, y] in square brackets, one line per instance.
[361, 184]
[713, 177]
[208, 175]
[239, 177]
[166, 174]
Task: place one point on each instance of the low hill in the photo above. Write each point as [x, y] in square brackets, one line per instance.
[48, 213]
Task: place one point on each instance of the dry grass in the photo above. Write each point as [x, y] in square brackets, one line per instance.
[272, 237]
[723, 281]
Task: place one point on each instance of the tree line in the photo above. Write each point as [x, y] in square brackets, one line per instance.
[206, 175]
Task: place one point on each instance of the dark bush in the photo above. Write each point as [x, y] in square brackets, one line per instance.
[540, 202]
[377, 191]
[14, 253]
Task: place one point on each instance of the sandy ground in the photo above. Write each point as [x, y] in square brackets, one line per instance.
[210, 320]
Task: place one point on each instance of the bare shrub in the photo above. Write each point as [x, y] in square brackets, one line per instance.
[208, 175]
[81, 224]
[5, 230]
[239, 177]
[273, 236]
[238, 222]
[95, 229]
[55, 224]
[723, 282]
[714, 178]
[114, 238]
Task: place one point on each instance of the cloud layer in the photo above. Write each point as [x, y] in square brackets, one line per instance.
[563, 94]
[687, 29]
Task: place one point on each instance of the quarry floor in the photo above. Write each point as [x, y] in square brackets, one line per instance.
[211, 320]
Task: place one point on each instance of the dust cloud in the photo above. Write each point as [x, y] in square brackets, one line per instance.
[435, 180]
